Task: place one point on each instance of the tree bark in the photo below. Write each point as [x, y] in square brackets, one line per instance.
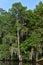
[18, 41]
[31, 54]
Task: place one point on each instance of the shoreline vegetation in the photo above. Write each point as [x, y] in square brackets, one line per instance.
[21, 33]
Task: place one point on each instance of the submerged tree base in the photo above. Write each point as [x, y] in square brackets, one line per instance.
[40, 61]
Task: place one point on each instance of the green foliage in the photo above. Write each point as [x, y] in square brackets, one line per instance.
[33, 40]
[4, 51]
[4, 47]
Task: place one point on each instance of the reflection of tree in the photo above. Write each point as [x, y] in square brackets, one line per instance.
[5, 63]
[20, 63]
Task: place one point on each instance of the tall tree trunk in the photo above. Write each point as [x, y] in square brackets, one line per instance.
[31, 53]
[18, 40]
[37, 53]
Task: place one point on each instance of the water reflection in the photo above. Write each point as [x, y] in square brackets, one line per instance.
[16, 63]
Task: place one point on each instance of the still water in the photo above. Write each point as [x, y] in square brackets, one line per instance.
[16, 63]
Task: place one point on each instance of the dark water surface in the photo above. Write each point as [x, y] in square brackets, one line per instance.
[16, 63]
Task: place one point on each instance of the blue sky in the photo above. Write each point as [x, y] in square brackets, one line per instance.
[6, 4]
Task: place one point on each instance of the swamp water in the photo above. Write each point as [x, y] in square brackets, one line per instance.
[16, 63]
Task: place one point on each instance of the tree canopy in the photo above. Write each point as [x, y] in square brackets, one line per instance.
[28, 22]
